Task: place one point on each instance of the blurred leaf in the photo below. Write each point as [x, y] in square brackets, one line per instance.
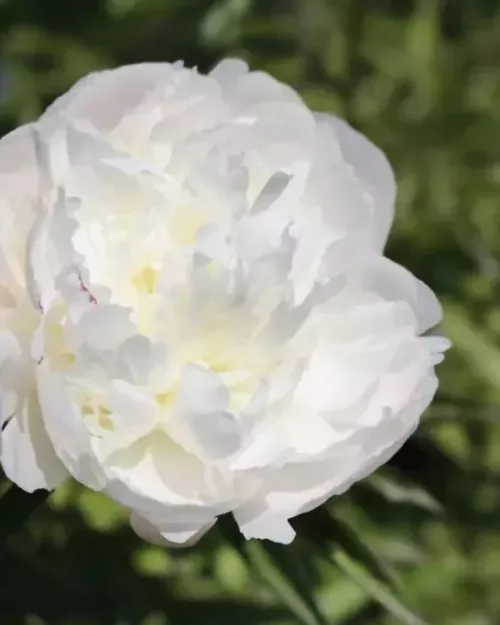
[282, 570]
[424, 461]
[365, 615]
[479, 347]
[402, 493]
[356, 560]
[375, 589]
[222, 22]
[324, 530]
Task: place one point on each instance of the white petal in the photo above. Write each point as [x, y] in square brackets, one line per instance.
[262, 235]
[295, 486]
[103, 97]
[371, 167]
[256, 520]
[64, 424]
[106, 327]
[300, 487]
[213, 436]
[134, 413]
[201, 391]
[202, 424]
[228, 70]
[309, 433]
[39, 271]
[337, 378]
[183, 534]
[19, 184]
[137, 358]
[9, 347]
[212, 243]
[395, 283]
[156, 469]
[266, 448]
[258, 87]
[26, 453]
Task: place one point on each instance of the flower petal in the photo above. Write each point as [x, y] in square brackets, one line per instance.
[106, 327]
[256, 520]
[19, 182]
[64, 424]
[229, 70]
[201, 391]
[181, 534]
[26, 453]
[372, 169]
[101, 98]
[395, 283]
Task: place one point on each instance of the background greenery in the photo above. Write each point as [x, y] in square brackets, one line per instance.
[422, 536]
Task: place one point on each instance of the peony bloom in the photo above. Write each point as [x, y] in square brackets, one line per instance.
[196, 316]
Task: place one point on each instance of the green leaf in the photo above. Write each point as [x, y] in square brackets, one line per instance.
[283, 570]
[401, 493]
[477, 345]
[222, 23]
[322, 528]
[355, 559]
[375, 588]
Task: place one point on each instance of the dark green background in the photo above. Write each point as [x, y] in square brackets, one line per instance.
[422, 79]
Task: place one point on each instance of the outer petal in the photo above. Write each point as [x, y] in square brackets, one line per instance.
[257, 520]
[229, 70]
[18, 161]
[372, 168]
[167, 490]
[182, 534]
[300, 487]
[26, 453]
[18, 205]
[102, 98]
[395, 283]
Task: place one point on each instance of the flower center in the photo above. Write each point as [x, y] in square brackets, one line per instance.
[146, 280]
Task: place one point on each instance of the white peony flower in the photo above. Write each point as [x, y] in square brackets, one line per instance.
[196, 314]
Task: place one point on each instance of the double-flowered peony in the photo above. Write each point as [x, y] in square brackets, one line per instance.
[196, 316]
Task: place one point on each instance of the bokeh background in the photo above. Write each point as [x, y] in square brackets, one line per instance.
[422, 536]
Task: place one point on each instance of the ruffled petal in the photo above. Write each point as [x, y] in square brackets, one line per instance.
[373, 171]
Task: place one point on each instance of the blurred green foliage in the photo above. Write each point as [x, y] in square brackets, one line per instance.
[422, 79]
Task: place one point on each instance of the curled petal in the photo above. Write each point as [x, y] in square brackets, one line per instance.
[372, 169]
